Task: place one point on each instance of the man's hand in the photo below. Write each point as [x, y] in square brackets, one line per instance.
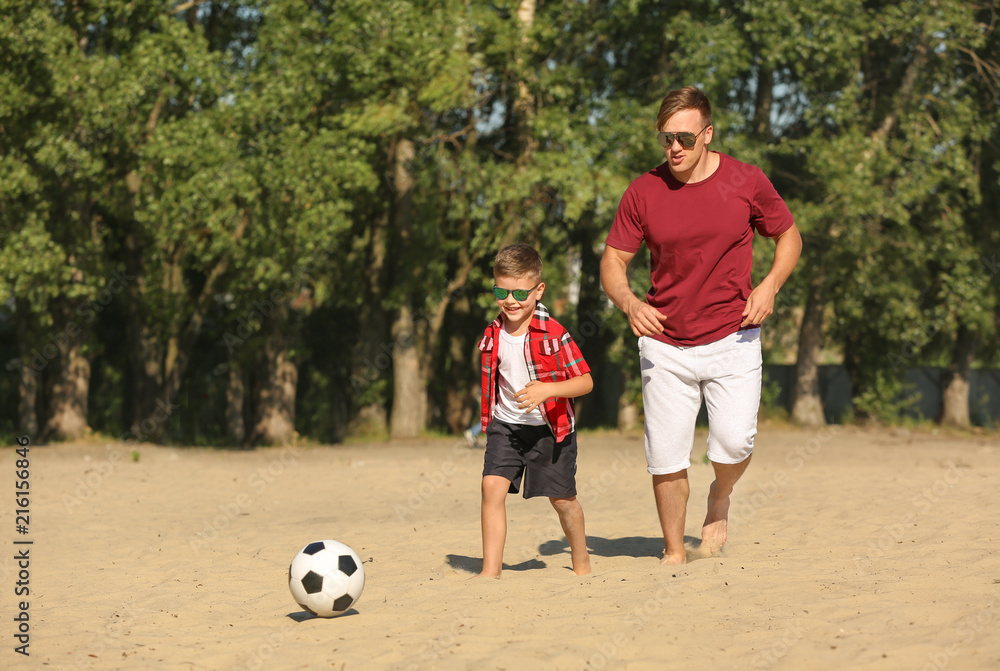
[760, 304]
[644, 319]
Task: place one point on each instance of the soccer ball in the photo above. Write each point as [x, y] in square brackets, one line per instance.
[326, 578]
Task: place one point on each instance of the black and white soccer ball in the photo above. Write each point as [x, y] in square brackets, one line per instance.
[326, 578]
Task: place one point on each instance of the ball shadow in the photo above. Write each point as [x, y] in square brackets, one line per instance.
[304, 615]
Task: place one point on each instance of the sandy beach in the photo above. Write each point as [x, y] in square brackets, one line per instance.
[848, 549]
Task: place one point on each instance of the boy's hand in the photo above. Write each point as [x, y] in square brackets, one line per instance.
[532, 396]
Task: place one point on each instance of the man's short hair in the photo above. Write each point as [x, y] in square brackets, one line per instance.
[518, 260]
[689, 97]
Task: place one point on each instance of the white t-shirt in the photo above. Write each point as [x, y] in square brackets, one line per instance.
[513, 371]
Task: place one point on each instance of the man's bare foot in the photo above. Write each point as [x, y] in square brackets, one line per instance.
[674, 560]
[582, 566]
[713, 532]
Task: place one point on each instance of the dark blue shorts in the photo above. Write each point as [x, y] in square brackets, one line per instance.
[548, 468]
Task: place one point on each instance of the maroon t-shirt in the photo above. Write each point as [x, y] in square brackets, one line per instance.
[700, 239]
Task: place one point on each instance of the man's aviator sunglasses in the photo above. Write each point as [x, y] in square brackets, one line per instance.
[518, 294]
[687, 140]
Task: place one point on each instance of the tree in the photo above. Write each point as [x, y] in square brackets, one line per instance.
[52, 260]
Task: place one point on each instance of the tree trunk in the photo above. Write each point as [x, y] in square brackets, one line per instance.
[68, 397]
[409, 398]
[371, 361]
[955, 384]
[462, 377]
[275, 422]
[235, 395]
[598, 408]
[524, 104]
[807, 407]
[27, 416]
[69, 379]
[145, 351]
[628, 416]
[763, 103]
[28, 377]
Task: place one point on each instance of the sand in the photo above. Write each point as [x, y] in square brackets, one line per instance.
[848, 549]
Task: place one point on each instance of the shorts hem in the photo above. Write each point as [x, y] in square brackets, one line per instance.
[670, 470]
[535, 495]
[729, 461]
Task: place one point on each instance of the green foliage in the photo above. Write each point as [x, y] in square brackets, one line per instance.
[239, 155]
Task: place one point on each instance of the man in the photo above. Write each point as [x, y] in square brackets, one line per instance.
[699, 326]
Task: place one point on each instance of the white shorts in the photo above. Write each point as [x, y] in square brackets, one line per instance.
[727, 372]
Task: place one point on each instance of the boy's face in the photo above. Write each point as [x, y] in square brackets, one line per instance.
[517, 314]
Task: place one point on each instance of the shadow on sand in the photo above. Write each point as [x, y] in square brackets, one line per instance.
[628, 546]
[475, 564]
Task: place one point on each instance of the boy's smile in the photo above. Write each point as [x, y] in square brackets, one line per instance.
[517, 314]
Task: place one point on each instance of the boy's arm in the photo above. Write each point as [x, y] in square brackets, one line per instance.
[536, 392]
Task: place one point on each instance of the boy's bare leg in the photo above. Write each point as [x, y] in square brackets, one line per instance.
[713, 532]
[671, 494]
[571, 518]
[494, 521]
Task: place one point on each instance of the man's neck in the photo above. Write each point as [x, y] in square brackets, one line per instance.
[701, 170]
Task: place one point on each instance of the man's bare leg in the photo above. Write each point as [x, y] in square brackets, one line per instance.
[494, 521]
[571, 518]
[713, 532]
[671, 494]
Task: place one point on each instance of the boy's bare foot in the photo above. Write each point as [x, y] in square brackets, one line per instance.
[495, 576]
[582, 566]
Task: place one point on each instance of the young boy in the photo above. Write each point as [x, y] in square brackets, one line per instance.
[532, 371]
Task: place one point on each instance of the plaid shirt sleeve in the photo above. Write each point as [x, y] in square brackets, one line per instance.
[571, 357]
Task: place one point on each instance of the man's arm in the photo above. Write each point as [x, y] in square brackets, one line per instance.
[760, 303]
[644, 319]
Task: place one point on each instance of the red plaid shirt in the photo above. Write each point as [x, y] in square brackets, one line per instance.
[551, 355]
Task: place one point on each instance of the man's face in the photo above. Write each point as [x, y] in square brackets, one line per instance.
[682, 161]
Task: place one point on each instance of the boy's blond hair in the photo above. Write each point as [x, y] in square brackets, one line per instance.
[518, 260]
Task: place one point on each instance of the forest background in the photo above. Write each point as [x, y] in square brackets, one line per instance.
[254, 222]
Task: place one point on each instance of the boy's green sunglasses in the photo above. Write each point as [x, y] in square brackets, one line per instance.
[518, 294]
